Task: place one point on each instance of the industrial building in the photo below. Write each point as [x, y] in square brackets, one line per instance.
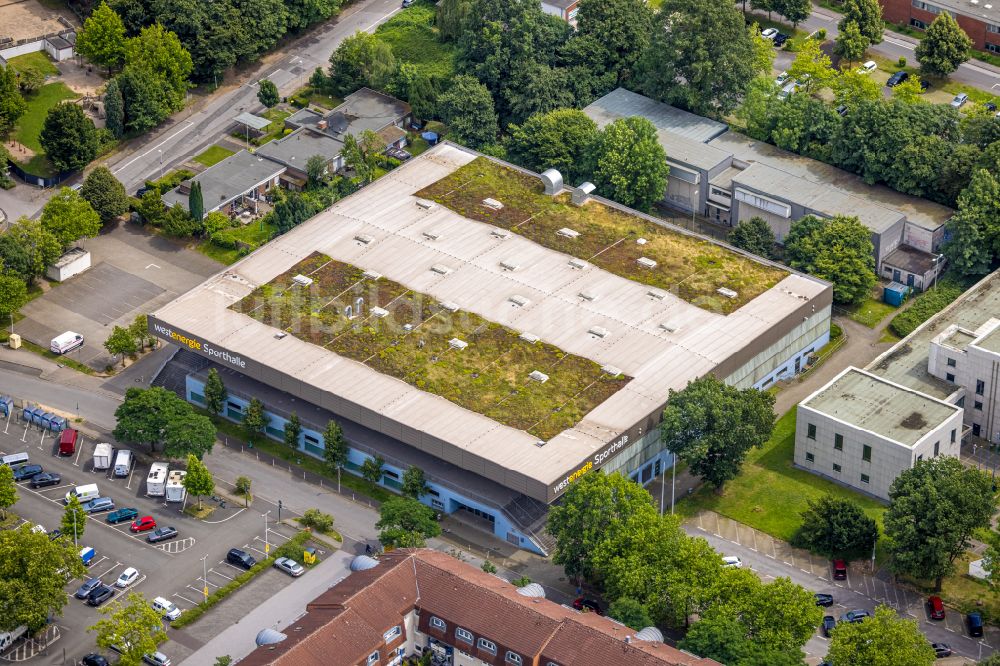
[980, 19]
[489, 326]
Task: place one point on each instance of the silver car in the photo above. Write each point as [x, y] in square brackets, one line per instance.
[289, 566]
[960, 100]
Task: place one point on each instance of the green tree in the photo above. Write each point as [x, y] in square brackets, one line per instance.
[139, 328]
[839, 250]
[975, 230]
[268, 93]
[102, 38]
[836, 528]
[909, 91]
[198, 480]
[595, 511]
[255, 420]
[754, 236]
[467, 109]
[224, 660]
[190, 433]
[934, 509]
[363, 154]
[414, 482]
[406, 523]
[944, 47]
[159, 419]
[795, 11]
[712, 426]
[74, 519]
[8, 490]
[114, 109]
[630, 165]
[146, 99]
[631, 613]
[538, 88]
[292, 431]
[361, 60]
[196, 202]
[69, 217]
[706, 45]
[371, 468]
[105, 194]
[992, 660]
[133, 626]
[12, 105]
[13, 294]
[317, 520]
[158, 55]
[335, 449]
[724, 639]
[317, 170]
[561, 139]
[851, 44]
[242, 485]
[621, 27]
[68, 137]
[16, 259]
[33, 574]
[451, 15]
[42, 246]
[215, 392]
[488, 567]
[121, 341]
[851, 88]
[883, 640]
[867, 15]
[811, 67]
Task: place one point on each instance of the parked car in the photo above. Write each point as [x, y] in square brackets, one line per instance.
[45, 479]
[974, 621]
[780, 39]
[823, 599]
[122, 514]
[841, 110]
[99, 504]
[855, 616]
[88, 587]
[897, 78]
[156, 659]
[167, 609]
[25, 472]
[941, 650]
[839, 570]
[94, 659]
[128, 577]
[143, 524]
[99, 596]
[769, 33]
[161, 534]
[55, 534]
[788, 90]
[924, 85]
[408, 3]
[959, 100]
[991, 107]
[240, 558]
[732, 562]
[782, 78]
[289, 566]
[868, 67]
[587, 605]
[829, 622]
[935, 608]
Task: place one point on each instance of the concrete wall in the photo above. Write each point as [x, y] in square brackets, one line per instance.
[974, 365]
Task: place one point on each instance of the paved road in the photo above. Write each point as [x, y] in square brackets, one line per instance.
[188, 134]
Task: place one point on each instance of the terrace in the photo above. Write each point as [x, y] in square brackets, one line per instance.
[460, 356]
[689, 267]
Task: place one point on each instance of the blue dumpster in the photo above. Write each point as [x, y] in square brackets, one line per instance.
[37, 416]
[55, 423]
[28, 414]
[45, 420]
[430, 137]
[895, 293]
[6, 405]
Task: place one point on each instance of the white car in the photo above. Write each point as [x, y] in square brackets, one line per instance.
[156, 659]
[289, 566]
[868, 67]
[166, 608]
[959, 100]
[782, 78]
[732, 562]
[769, 33]
[128, 577]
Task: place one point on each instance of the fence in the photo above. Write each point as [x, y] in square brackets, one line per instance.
[40, 181]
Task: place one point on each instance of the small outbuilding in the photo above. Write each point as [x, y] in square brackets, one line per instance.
[72, 263]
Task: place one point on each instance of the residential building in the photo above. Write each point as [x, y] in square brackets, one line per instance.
[409, 602]
[980, 19]
[728, 178]
[625, 333]
[238, 178]
[970, 360]
[564, 9]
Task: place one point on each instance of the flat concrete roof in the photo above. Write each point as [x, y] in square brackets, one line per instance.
[872, 403]
[990, 339]
[959, 339]
[984, 10]
[621, 103]
[404, 240]
[234, 176]
[909, 259]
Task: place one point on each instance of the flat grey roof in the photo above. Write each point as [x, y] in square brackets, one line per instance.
[910, 259]
[959, 339]
[984, 10]
[990, 340]
[621, 103]
[252, 121]
[393, 222]
[295, 149]
[872, 403]
[234, 176]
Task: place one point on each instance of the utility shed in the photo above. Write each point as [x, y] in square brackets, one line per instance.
[72, 263]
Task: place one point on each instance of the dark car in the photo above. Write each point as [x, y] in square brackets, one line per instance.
[88, 587]
[941, 650]
[897, 78]
[100, 595]
[780, 39]
[45, 479]
[935, 608]
[974, 621]
[823, 599]
[855, 616]
[94, 659]
[841, 110]
[839, 570]
[991, 107]
[55, 534]
[161, 534]
[142, 190]
[587, 605]
[240, 558]
[25, 472]
[924, 85]
[99, 504]
[829, 622]
[121, 515]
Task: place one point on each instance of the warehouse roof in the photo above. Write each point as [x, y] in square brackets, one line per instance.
[622, 103]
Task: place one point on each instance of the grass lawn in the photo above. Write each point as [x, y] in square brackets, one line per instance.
[213, 155]
[253, 234]
[29, 127]
[688, 267]
[317, 98]
[871, 312]
[273, 131]
[413, 38]
[416, 144]
[38, 61]
[769, 494]
[964, 592]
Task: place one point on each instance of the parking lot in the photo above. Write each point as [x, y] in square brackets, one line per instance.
[178, 569]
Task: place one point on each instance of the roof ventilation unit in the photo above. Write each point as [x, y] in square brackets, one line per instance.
[379, 312]
[611, 370]
[553, 182]
[449, 306]
[509, 265]
[646, 262]
[658, 295]
[455, 343]
[492, 203]
[426, 204]
[281, 335]
[568, 233]
[407, 327]
[372, 275]
[651, 634]
[363, 238]
[518, 300]
[302, 280]
[641, 241]
[577, 263]
[440, 269]
[581, 194]
[431, 235]
[588, 295]
[668, 327]
[502, 234]
[599, 331]
[725, 291]
[530, 338]
[540, 377]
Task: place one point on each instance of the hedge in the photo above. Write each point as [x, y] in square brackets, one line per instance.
[925, 306]
[291, 548]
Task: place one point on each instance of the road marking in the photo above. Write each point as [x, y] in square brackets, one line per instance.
[148, 266]
[117, 564]
[79, 450]
[129, 483]
[216, 522]
[219, 573]
[137, 157]
[383, 19]
[906, 45]
[180, 596]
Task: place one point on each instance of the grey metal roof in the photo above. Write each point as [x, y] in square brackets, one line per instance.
[910, 259]
[984, 10]
[232, 177]
[295, 149]
[252, 121]
[621, 103]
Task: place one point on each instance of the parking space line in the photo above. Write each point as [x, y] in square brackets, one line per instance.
[219, 573]
[270, 531]
[79, 450]
[180, 596]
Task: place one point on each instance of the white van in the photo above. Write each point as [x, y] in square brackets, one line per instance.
[123, 463]
[66, 342]
[84, 493]
[14, 459]
[7, 638]
[166, 608]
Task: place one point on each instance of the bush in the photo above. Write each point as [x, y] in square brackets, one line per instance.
[298, 102]
[821, 34]
[317, 520]
[901, 62]
[170, 181]
[925, 306]
[242, 485]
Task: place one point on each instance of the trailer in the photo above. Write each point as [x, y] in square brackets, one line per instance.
[102, 456]
[87, 555]
[156, 482]
[175, 486]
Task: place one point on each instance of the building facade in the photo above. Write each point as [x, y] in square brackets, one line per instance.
[980, 19]
[970, 360]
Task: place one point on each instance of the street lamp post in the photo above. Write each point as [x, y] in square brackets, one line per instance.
[204, 577]
[160, 151]
[267, 545]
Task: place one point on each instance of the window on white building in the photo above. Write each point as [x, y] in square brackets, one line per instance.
[937, 448]
[836, 468]
[838, 442]
[810, 457]
[866, 453]
[951, 363]
[864, 478]
[950, 377]
[980, 386]
[392, 633]
[811, 431]
[978, 405]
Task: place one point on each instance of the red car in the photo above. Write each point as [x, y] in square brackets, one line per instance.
[936, 608]
[143, 524]
[586, 605]
[839, 570]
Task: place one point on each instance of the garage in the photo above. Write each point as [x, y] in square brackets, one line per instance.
[777, 214]
[682, 188]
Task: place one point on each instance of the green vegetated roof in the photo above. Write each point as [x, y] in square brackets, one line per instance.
[689, 267]
[413, 342]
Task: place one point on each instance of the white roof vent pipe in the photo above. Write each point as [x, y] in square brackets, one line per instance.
[582, 194]
[553, 182]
